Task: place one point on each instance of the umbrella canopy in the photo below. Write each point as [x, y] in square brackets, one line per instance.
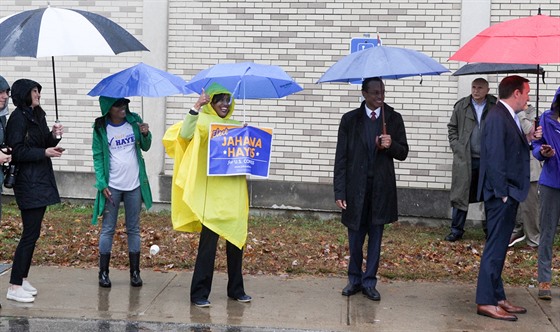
[57, 31]
[382, 61]
[497, 68]
[247, 80]
[531, 40]
[140, 80]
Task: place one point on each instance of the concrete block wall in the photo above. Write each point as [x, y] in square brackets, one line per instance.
[305, 38]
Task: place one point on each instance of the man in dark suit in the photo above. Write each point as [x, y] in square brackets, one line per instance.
[365, 188]
[503, 183]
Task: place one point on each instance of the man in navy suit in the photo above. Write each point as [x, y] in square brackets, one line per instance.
[503, 183]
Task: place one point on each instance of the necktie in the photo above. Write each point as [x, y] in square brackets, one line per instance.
[373, 117]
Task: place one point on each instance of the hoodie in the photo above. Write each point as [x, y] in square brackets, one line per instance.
[550, 174]
[29, 136]
[101, 154]
[4, 86]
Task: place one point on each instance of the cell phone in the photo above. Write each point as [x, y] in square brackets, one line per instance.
[59, 149]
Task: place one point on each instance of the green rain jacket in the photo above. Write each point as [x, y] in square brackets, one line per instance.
[101, 155]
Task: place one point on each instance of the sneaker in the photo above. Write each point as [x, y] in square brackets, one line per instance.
[19, 294]
[516, 238]
[244, 298]
[202, 303]
[544, 291]
[29, 288]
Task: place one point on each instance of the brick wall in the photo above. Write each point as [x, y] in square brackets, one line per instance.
[303, 37]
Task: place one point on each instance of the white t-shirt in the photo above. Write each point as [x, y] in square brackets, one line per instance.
[123, 162]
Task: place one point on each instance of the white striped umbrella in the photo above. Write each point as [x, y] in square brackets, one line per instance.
[54, 32]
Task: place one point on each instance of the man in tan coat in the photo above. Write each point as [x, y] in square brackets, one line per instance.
[464, 130]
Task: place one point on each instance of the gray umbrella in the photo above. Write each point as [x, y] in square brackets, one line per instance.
[497, 68]
[502, 68]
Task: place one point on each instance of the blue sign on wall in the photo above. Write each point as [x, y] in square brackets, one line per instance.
[358, 44]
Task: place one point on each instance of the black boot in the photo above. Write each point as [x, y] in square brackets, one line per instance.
[134, 258]
[104, 280]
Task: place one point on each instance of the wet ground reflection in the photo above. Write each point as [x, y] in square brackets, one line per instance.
[22, 324]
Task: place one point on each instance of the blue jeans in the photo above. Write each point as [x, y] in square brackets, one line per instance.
[132, 207]
[549, 221]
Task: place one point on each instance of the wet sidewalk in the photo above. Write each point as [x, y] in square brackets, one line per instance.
[302, 303]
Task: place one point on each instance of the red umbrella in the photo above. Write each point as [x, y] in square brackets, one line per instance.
[529, 40]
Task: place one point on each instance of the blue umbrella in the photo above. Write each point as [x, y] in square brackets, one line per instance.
[247, 80]
[382, 61]
[140, 80]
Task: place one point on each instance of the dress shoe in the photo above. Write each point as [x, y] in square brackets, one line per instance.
[452, 237]
[371, 293]
[494, 311]
[512, 309]
[351, 289]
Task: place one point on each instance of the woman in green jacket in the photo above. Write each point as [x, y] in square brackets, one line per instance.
[119, 137]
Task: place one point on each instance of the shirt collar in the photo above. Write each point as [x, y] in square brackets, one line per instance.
[377, 111]
[481, 104]
[511, 111]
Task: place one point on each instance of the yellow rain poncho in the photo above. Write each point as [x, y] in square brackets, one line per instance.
[218, 202]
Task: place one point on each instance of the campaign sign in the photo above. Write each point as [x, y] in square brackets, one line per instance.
[237, 150]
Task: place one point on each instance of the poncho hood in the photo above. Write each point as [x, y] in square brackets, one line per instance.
[216, 89]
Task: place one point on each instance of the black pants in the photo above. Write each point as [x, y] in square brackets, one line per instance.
[204, 267]
[459, 217]
[32, 220]
[356, 241]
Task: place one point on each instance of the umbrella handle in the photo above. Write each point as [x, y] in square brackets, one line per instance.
[383, 129]
[537, 120]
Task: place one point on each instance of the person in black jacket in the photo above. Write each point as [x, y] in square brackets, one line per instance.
[370, 138]
[5, 154]
[33, 145]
